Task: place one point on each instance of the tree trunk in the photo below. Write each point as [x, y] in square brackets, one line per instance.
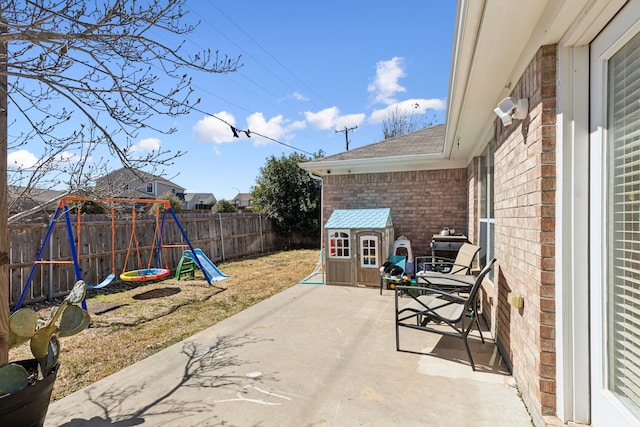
[4, 237]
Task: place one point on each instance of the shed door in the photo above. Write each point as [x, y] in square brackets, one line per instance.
[369, 259]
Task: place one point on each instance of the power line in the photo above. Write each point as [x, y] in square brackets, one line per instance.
[235, 131]
[286, 83]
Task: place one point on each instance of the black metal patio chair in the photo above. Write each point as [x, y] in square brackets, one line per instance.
[455, 306]
[432, 268]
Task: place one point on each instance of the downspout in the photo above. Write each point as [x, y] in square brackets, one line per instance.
[319, 178]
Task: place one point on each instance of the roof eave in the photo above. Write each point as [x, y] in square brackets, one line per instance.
[378, 165]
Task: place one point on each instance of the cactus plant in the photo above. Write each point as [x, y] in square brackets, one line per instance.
[24, 325]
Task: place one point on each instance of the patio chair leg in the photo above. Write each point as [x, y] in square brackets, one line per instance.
[466, 347]
[397, 327]
[479, 330]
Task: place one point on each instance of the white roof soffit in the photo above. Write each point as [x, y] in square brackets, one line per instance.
[385, 164]
[494, 41]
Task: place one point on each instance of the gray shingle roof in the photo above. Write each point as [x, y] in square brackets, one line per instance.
[425, 141]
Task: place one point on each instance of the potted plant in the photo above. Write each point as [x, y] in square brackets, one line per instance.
[26, 385]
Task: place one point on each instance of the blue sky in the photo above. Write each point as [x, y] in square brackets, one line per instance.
[309, 69]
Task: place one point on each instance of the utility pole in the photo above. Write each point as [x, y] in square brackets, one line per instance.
[346, 134]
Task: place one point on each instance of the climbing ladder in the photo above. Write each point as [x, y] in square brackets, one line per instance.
[186, 268]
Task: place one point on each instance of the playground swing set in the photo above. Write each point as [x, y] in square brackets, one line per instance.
[149, 273]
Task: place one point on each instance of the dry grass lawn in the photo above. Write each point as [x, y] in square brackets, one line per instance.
[131, 322]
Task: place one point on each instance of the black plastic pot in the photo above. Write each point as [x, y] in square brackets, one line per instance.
[28, 407]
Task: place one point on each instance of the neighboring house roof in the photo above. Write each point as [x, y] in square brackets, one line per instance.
[124, 175]
[360, 218]
[243, 198]
[200, 198]
[420, 150]
[21, 199]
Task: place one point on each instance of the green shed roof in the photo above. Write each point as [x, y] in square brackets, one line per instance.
[360, 218]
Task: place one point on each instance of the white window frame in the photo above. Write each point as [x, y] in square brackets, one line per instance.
[365, 251]
[343, 236]
[486, 240]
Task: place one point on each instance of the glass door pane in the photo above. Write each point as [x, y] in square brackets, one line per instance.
[623, 278]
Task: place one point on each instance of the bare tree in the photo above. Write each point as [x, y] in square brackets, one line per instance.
[401, 121]
[101, 69]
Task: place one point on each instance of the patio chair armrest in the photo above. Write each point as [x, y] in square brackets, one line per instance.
[434, 263]
[431, 258]
[450, 295]
[454, 268]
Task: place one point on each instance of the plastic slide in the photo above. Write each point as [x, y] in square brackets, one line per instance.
[210, 269]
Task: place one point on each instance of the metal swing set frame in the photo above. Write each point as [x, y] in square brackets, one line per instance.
[63, 211]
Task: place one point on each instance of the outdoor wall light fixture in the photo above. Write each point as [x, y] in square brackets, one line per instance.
[508, 110]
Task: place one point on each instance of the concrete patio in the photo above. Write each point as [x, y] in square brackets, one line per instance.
[312, 355]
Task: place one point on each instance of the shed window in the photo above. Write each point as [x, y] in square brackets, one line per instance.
[339, 244]
[150, 187]
[368, 251]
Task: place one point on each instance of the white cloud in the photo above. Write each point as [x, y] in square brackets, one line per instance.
[297, 125]
[330, 119]
[69, 157]
[21, 159]
[25, 160]
[210, 129]
[385, 85]
[146, 145]
[349, 120]
[298, 96]
[416, 106]
[323, 119]
[274, 128]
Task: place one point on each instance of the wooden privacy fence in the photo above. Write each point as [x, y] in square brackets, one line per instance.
[220, 236]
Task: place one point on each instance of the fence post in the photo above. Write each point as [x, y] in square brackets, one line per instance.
[261, 233]
[221, 235]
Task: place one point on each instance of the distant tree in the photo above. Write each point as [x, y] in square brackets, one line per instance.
[93, 207]
[223, 206]
[174, 201]
[288, 195]
[403, 121]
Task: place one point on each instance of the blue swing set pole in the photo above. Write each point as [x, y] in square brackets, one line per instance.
[74, 253]
[62, 208]
[184, 235]
[32, 273]
[72, 244]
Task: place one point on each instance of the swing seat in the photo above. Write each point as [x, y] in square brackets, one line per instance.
[102, 284]
[145, 275]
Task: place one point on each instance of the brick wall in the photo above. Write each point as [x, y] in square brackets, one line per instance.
[421, 202]
[524, 241]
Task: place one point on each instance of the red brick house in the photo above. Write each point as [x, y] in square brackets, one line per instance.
[551, 190]
[407, 174]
